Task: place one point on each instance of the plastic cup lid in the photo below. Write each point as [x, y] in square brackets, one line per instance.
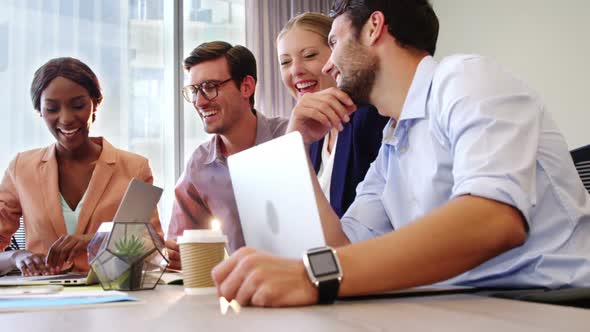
[201, 235]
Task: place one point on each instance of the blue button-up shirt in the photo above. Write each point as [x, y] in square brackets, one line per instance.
[469, 127]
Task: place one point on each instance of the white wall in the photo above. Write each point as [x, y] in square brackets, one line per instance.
[545, 42]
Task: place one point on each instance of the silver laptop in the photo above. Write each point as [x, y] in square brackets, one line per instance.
[138, 205]
[275, 197]
[72, 278]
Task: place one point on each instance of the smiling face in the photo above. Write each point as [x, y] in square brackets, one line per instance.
[351, 64]
[302, 54]
[221, 113]
[67, 110]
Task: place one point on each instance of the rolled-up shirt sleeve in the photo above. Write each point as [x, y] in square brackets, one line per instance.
[366, 217]
[493, 128]
[189, 210]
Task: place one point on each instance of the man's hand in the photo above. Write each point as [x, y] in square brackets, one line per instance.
[63, 251]
[316, 113]
[30, 264]
[255, 278]
[173, 255]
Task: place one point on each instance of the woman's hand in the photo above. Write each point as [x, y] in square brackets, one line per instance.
[30, 264]
[63, 251]
[316, 113]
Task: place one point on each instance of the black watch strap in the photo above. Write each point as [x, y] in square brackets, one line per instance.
[328, 291]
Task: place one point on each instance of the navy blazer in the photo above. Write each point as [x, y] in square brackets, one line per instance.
[357, 147]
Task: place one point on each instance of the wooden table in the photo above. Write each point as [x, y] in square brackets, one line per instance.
[167, 309]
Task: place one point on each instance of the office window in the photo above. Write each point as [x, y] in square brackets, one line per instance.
[3, 46]
[208, 20]
[129, 46]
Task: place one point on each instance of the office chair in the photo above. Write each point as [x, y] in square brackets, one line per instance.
[581, 157]
[17, 242]
[13, 244]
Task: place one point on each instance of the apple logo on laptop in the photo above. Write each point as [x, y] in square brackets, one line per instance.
[272, 218]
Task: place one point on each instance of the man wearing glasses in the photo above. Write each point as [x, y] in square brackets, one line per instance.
[222, 83]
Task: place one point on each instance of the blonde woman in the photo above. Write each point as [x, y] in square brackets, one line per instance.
[341, 159]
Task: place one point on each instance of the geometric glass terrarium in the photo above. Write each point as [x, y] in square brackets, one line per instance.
[130, 257]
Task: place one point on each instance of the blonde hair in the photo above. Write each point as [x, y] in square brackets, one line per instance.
[313, 22]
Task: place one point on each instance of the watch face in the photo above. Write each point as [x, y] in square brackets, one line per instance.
[322, 263]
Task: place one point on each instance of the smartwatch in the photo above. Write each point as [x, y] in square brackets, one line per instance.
[324, 271]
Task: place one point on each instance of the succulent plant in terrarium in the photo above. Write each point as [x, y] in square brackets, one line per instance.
[129, 256]
[129, 246]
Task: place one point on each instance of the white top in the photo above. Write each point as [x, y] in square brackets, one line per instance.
[71, 216]
[325, 173]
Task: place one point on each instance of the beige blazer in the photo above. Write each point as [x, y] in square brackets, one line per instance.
[30, 188]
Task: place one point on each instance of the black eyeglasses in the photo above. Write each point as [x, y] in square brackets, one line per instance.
[209, 90]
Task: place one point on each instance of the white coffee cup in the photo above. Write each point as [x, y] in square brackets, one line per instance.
[200, 251]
